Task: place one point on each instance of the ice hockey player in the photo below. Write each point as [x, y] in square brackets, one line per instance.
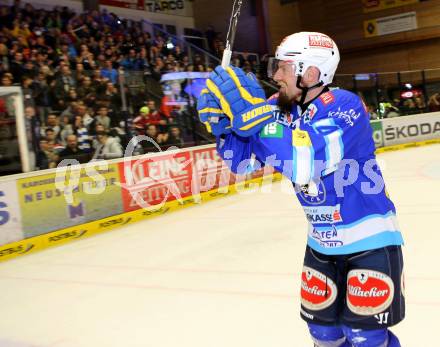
[352, 286]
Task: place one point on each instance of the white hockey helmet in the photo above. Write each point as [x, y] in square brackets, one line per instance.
[305, 49]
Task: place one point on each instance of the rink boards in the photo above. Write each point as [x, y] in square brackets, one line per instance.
[51, 207]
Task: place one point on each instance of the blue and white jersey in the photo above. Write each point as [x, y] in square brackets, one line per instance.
[327, 151]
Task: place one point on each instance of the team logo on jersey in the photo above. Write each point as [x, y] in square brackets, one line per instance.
[327, 98]
[317, 290]
[312, 193]
[368, 292]
[309, 113]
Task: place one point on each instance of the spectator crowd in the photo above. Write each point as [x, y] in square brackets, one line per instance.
[69, 67]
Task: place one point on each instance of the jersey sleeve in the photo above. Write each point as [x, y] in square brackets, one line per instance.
[320, 143]
[236, 152]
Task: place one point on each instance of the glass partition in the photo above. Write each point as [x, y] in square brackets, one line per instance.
[17, 133]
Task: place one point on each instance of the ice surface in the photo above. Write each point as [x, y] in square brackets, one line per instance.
[222, 274]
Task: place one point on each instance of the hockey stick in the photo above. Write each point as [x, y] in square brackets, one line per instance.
[230, 37]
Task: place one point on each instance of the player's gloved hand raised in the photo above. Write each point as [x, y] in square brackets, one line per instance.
[212, 115]
[241, 98]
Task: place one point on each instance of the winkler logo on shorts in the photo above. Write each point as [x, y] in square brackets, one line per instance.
[369, 292]
[317, 290]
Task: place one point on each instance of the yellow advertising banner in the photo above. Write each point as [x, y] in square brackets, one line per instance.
[69, 197]
[378, 5]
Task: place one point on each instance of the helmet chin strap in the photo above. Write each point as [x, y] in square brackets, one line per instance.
[305, 90]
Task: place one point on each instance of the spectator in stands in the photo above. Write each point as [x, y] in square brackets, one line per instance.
[97, 78]
[28, 92]
[103, 118]
[52, 123]
[179, 54]
[169, 67]
[200, 68]
[383, 104]
[79, 72]
[71, 110]
[197, 59]
[72, 95]
[82, 134]
[173, 138]
[391, 111]
[42, 96]
[87, 91]
[99, 128]
[87, 118]
[143, 63]
[155, 139]
[109, 72]
[211, 35]
[4, 53]
[155, 116]
[108, 147]
[88, 61]
[247, 67]
[48, 156]
[165, 108]
[42, 46]
[130, 62]
[189, 68]
[219, 47]
[434, 102]
[6, 80]
[70, 62]
[63, 83]
[53, 140]
[67, 50]
[159, 67]
[42, 157]
[67, 129]
[420, 104]
[140, 122]
[72, 151]
[17, 67]
[372, 112]
[110, 97]
[410, 106]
